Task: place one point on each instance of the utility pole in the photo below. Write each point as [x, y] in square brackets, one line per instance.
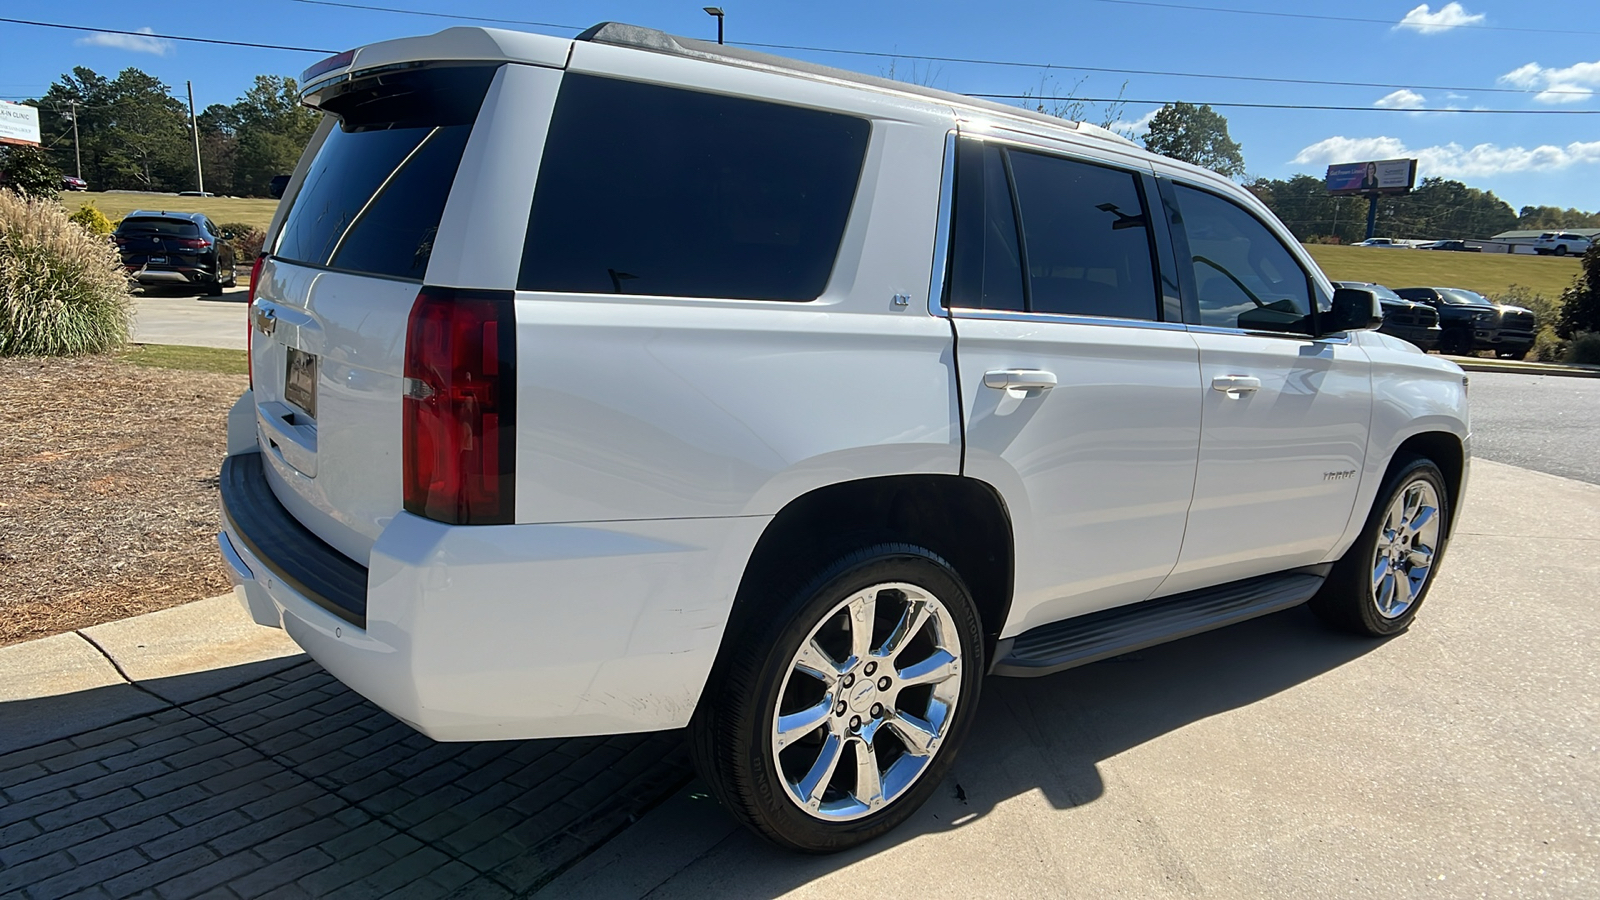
[76, 153]
[194, 128]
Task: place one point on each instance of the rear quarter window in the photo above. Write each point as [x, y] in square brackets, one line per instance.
[668, 192]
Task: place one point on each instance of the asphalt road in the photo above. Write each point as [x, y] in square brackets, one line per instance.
[1550, 424]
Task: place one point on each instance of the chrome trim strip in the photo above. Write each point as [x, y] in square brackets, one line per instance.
[999, 315]
[1339, 338]
[941, 234]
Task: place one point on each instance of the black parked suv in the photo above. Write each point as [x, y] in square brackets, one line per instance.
[1417, 323]
[175, 249]
[1473, 322]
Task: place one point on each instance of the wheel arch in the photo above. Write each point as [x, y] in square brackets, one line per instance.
[962, 520]
[1447, 452]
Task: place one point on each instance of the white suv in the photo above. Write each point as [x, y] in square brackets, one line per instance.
[631, 383]
[1561, 243]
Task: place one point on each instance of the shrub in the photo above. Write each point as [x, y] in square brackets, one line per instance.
[1580, 305]
[28, 171]
[1548, 346]
[1585, 349]
[62, 290]
[93, 220]
[247, 240]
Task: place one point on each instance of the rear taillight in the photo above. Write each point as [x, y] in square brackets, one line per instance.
[459, 407]
[193, 243]
[249, 324]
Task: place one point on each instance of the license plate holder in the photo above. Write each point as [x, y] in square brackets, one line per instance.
[300, 381]
[158, 260]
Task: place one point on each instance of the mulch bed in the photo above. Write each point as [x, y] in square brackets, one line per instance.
[108, 490]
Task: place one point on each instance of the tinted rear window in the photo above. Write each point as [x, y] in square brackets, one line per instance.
[375, 192]
[172, 227]
[668, 192]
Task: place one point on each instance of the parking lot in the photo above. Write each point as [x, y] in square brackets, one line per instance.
[1270, 759]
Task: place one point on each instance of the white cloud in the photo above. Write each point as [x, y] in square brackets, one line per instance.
[1135, 128]
[1570, 85]
[1453, 160]
[136, 43]
[1451, 15]
[1401, 99]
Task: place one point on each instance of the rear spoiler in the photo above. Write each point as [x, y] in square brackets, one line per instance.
[453, 45]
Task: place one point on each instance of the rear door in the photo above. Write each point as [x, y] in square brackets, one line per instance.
[333, 300]
[1080, 386]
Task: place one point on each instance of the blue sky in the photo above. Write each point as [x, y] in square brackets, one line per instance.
[1537, 159]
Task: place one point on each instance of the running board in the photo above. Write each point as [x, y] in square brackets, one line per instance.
[1100, 635]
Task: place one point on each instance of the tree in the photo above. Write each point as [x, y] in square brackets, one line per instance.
[133, 133]
[1543, 218]
[1580, 304]
[29, 172]
[1195, 134]
[272, 129]
[1071, 107]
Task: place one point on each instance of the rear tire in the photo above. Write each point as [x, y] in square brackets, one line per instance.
[820, 735]
[1561, 250]
[1455, 342]
[214, 289]
[1381, 581]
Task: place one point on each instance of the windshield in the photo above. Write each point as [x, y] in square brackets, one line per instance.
[1459, 297]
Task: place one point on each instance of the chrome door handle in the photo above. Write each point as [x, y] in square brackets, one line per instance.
[1019, 380]
[1235, 385]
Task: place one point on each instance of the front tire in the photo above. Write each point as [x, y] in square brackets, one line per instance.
[1377, 587]
[840, 701]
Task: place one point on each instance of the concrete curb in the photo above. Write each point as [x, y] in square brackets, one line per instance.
[1519, 367]
[66, 684]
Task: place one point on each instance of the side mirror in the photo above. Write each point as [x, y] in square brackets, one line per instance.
[1354, 309]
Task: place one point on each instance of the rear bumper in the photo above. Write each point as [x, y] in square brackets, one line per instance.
[167, 276]
[501, 632]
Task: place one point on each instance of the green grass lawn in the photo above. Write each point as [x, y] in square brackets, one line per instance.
[249, 210]
[1486, 273]
[193, 359]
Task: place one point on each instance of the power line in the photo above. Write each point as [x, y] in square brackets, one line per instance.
[1410, 109]
[164, 37]
[434, 15]
[879, 54]
[1154, 72]
[1321, 18]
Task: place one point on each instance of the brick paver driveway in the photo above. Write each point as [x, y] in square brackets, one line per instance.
[294, 786]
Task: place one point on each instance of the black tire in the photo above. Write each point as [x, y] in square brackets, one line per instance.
[732, 734]
[1561, 250]
[1519, 354]
[1456, 342]
[1347, 600]
[233, 277]
[214, 289]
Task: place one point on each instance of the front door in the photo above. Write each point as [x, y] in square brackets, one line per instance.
[1285, 415]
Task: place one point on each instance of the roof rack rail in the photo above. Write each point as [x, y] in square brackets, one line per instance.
[621, 34]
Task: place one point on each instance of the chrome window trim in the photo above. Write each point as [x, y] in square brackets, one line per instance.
[1006, 315]
[941, 234]
[1342, 337]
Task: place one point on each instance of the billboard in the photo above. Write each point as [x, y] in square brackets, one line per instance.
[1385, 176]
[18, 124]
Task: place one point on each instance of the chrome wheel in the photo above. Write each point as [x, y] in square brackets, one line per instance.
[867, 701]
[1407, 546]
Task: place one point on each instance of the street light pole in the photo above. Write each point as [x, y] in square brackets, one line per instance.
[194, 129]
[716, 11]
[76, 153]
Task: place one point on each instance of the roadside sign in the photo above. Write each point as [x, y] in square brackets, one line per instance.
[1384, 176]
[19, 124]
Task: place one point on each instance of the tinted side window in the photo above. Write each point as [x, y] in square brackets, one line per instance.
[1245, 277]
[1086, 237]
[668, 192]
[985, 266]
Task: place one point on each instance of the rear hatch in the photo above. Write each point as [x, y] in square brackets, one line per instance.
[160, 243]
[328, 324]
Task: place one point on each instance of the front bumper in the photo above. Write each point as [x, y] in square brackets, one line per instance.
[500, 632]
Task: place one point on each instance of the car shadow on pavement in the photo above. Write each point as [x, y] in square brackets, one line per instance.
[274, 777]
[1045, 735]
